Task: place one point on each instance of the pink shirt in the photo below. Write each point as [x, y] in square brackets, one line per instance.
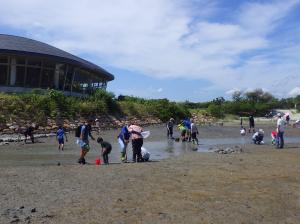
[135, 131]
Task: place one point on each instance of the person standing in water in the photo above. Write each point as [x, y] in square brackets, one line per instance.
[280, 131]
[251, 123]
[194, 132]
[170, 125]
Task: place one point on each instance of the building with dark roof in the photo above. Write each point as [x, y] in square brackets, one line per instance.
[26, 64]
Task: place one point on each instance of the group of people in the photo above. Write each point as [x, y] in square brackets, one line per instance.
[276, 135]
[84, 132]
[188, 130]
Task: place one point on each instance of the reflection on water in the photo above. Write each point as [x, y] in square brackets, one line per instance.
[46, 153]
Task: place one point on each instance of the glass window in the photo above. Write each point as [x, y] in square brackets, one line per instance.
[47, 78]
[69, 77]
[48, 64]
[3, 59]
[33, 77]
[20, 61]
[3, 74]
[20, 75]
[34, 62]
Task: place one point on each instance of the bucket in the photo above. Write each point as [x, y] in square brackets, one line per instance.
[98, 161]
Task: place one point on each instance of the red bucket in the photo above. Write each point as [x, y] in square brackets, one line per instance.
[98, 161]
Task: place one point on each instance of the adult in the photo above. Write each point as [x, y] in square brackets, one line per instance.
[258, 137]
[123, 139]
[251, 124]
[194, 132]
[187, 125]
[83, 141]
[182, 130]
[170, 125]
[280, 131]
[137, 142]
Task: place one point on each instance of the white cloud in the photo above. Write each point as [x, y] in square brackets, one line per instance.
[231, 91]
[294, 92]
[167, 38]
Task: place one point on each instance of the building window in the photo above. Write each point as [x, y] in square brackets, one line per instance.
[34, 62]
[3, 60]
[20, 61]
[3, 74]
[47, 78]
[33, 77]
[20, 75]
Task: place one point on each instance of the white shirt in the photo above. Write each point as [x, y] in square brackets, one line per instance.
[194, 128]
[280, 124]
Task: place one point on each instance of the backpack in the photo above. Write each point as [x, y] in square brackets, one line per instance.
[78, 131]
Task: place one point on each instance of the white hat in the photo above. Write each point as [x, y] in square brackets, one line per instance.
[279, 114]
[261, 130]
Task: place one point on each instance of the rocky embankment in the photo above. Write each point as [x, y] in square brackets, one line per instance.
[12, 131]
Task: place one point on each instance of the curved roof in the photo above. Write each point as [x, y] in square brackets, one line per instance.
[26, 46]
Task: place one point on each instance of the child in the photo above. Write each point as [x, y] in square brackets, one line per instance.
[60, 138]
[105, 149]
[274, 137]
[243, 131]
[29, 132]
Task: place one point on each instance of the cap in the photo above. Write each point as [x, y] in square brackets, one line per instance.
[279, 114]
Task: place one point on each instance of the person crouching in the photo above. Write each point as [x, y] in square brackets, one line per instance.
[258, 137]
[105, 149]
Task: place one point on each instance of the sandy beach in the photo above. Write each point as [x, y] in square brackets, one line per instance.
[259, 185]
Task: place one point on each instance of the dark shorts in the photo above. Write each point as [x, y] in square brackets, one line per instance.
[194, 135]
[61, 141]
[183, 132]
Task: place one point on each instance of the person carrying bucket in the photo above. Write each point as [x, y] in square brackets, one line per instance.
[123, 139]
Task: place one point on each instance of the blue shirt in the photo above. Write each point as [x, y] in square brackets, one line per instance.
[124, 134]
[187, 124]
[86, 132]
[60, 134]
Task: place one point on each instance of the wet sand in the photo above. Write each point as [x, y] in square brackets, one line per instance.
[260, 185]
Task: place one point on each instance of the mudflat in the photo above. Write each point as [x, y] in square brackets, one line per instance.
[260, 185]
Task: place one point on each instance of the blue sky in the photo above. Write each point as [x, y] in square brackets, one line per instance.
[192, 50]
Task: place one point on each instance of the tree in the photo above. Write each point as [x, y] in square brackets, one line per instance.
[237, 96]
